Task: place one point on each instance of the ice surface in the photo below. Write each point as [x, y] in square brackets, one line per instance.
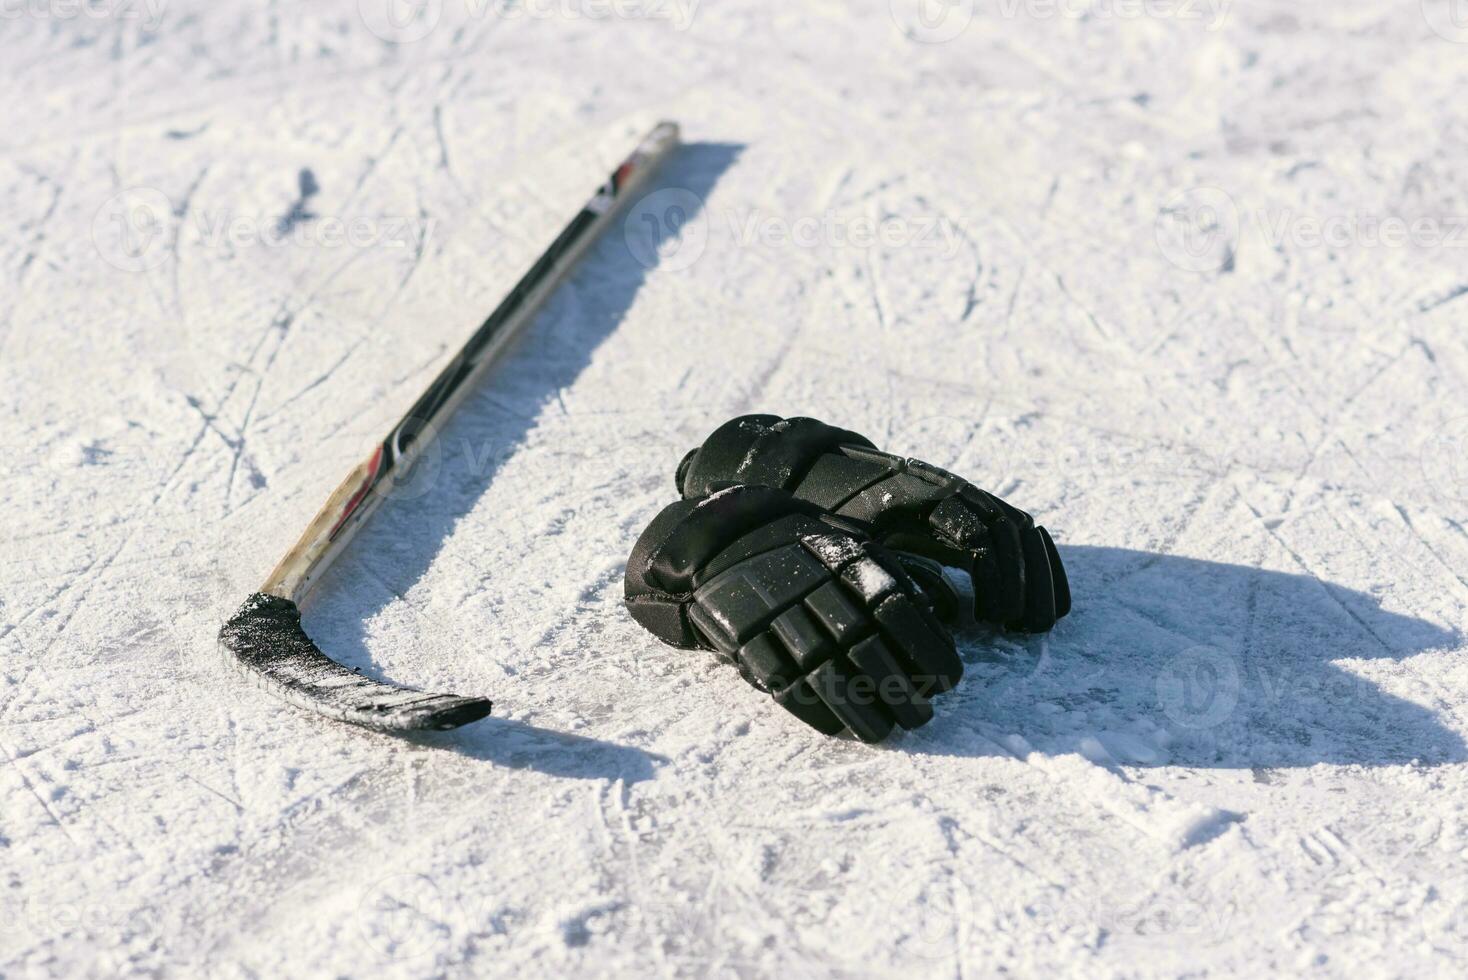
[1129, 271]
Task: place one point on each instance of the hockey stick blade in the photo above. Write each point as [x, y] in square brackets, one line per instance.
[265, 640]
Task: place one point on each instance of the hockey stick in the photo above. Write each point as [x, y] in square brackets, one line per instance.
[265, 639]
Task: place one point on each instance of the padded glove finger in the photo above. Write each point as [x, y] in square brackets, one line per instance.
[928, 574]
[1019, 582]
[810, 610]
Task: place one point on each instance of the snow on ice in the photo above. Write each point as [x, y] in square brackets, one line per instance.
[1186, 281]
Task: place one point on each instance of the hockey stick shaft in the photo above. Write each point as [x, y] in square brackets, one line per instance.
[265, 637]
[349, 506]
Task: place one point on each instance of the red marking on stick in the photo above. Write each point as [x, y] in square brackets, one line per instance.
[360, 495]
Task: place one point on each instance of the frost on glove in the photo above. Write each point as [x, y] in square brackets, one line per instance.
[1019, 582]
[809, 609]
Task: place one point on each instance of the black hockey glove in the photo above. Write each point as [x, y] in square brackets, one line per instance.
[806, 606]
[1019, 582]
